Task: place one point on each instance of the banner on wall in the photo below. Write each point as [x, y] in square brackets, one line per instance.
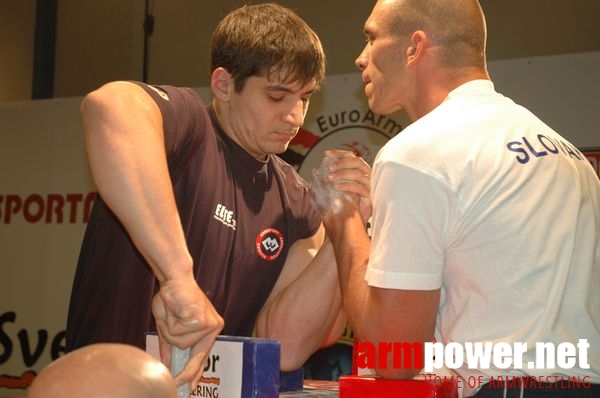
[46, 195]
[45, 199]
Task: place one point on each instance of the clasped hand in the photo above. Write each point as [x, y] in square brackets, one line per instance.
[343, 179]
[185, 318]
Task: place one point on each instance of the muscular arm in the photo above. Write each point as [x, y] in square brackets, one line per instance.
[124, 141]
[125, 147]
[375, 314]
[304, 311]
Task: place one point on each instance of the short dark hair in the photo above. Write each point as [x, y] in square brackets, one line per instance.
[267, 40]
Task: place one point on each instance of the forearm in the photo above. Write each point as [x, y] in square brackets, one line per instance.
[307, 313]
[351, 246]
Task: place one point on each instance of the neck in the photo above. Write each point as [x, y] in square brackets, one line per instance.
[433, 88]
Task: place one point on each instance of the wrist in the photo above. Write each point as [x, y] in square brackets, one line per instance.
[176, 269]
[338, 223]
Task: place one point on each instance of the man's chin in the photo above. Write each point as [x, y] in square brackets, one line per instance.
[378, 109]
[375, 108]
[277, 149]
[283, 148]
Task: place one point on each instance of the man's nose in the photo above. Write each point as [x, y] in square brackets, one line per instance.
[361, 61]
[295, 116]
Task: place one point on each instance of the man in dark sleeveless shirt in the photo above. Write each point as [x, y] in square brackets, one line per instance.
[199, 228]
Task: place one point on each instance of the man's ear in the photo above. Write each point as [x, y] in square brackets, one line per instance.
[417, 47]
[222, 84]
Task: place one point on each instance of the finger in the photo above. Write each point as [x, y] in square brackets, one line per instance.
[194, 368]
[158, 307]
[353, 163]
[201, 351]
[165, 351]
[352, 187]
[160, 317]
[349, 175]
[339, 153]
[188, 332]
[185, 329]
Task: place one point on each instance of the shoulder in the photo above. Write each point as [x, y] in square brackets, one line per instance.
[171, 96]
[286, 170]
[186, 120]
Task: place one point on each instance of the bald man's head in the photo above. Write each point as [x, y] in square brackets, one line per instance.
[103, 371]
[457, 27]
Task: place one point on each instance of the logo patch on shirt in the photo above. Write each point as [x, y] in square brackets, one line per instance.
[269, 244]
[225, 216]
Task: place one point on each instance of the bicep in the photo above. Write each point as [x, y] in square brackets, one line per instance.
[123, 133]
[299, 256]
[119, 108]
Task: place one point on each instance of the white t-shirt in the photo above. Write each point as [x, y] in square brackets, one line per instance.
[483, 200]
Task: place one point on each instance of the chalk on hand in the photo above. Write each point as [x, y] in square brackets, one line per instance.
[324, 196]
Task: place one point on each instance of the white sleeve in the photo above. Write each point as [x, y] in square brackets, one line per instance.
[409, 222]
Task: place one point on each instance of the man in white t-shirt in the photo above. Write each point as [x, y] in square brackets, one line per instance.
[485, 223]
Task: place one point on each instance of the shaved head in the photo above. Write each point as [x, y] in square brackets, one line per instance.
[104, 371]
[456, 26]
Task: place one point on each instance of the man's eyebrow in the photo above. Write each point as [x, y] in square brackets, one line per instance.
[279, 87]
[287, 89]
